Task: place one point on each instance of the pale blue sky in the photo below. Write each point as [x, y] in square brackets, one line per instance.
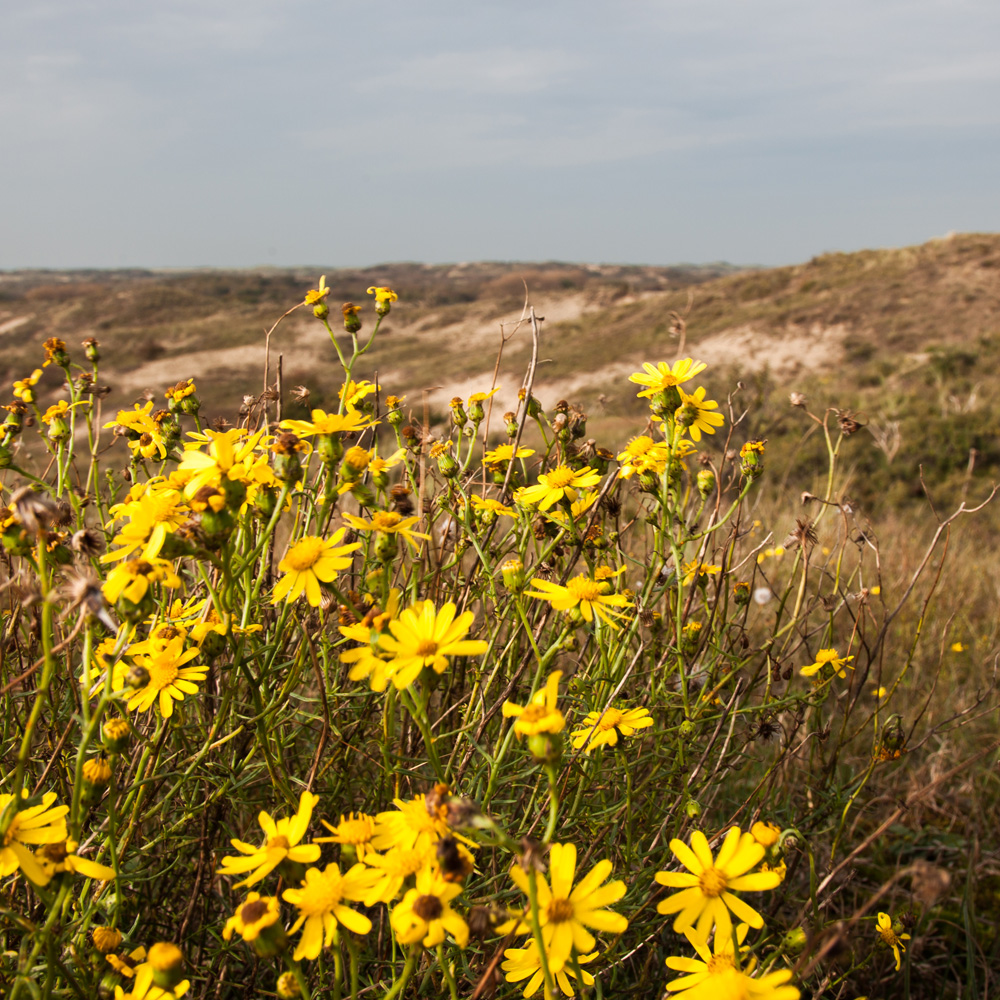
[286, 132]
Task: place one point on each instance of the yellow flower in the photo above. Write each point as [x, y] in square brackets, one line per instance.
[561, 483]
[315, 295]
[708, 886]
[565, 912]
[281, 841]
[582, 594]
[310, 561]
[600, 728]
[24, 388]
[227, 458]
[56, 410]
[828, 657]
[766, 834]
[663, 376]
[354, 830]
[388, 522]
[425, 637]
[62, 857]
[695, 571]
[487, 505]
[415, 824]
[957, 647]
[106, 939]
[256, 914]
[169, 679]
[698, 414]
[55, 350]
[321, 907]
[887, 932]
[351, 422]
[643, 454]
[523, 963]
[382, 295]
[504, 453]
[540, 715]
[425, 915]
[392, 869]
[144, 989]
[717, 975]
[158, 512]
[36, 824]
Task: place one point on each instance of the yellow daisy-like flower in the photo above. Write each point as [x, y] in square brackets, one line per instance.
[62, 857]
[281, 841]
[504, 453]
[310, 561]
[55, 411]
[562, 483]
[320, 900]
[132, 578]
[643, 454]
[415, 824]
[382, 294]
[354, 830]
[709, 886]
[566, 912]
[37, 824]
[169, 679]
[315, 295]
[392, 869]
[227, 457]
[126, 966]
[256, 914]
[828, 658]
[525, 963]
[425, 637]
[890, 938]
[588, 597]
[425, 915]
[487, 505]
[766, 834]
[717, 973]
[145, 989]
[662, 376]
[24, 389]
[600, 728]
[540, 715]
[698, 572]
[388, 522]
[698, 414]
[351, 422]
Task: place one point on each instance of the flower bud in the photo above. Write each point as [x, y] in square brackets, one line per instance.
[512, 572]
[90, 350]
[352, 322]
[692, 808]
[706, 483]
[545, 747]
[105, 939]
[741, 593]
[116, 735]
[137, 677]
[288, 986]
[167, 961]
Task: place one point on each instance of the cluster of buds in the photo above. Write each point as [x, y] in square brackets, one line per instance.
[752, 459]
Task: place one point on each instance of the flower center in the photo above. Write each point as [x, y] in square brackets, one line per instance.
[560, 477]
[610, 719]
[355, 831]
[534, 713]
[719, 964]
[428, 908]
[427, 647]
[712, 882]
[322, 895]
[162, 673]
[279, 841]
[385, 520]
[250, 913]
[305, 554]
[584, 589]
[559, 911]
[639, 446]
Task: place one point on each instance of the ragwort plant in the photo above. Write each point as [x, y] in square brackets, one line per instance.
[357, 705]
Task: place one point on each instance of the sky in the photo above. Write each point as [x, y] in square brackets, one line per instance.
[187, 133]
